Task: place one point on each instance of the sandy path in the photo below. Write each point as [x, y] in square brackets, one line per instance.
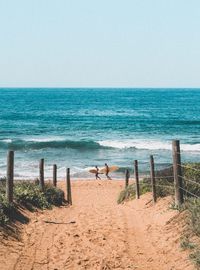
[105, 235]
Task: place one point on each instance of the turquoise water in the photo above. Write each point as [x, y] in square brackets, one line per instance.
[80, 128]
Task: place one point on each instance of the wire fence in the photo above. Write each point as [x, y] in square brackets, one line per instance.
[187, 175]
[182, 180]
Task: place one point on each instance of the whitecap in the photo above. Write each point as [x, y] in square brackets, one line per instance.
[147, 145]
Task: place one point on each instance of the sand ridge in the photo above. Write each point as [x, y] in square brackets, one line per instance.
[95, 233]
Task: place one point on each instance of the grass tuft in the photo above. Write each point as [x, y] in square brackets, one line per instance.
[129, 192]
[186, 244]
[195, 257]
[126, 194]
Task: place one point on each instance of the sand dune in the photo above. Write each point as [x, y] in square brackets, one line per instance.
[96, 233]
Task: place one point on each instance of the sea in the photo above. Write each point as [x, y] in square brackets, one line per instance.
[79, 128]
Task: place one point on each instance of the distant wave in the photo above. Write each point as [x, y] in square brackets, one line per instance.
[58, 143]
[36, 144]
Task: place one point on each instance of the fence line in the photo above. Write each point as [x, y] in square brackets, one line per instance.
[177, 184]
[188, 180]
[167, 168]
[40, 180]
[190, 193]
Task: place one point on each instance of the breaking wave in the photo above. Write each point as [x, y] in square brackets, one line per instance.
[36, 144]
[147, 145]
[59, 143]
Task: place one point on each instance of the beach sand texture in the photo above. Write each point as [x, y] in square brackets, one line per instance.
[96, 233]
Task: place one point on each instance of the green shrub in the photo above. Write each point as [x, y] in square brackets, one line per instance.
[54, 195]
[2, 185]
[27, 193]
[6, 210]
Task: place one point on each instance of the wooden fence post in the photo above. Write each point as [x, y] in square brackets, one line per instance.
[153, 182]
[178, 183]
[68, 183]
[10, 176]
[127, 175]
[54, 175]
[136, 179]
[41, 175]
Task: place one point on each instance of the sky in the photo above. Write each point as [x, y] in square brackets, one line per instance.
[99, 43]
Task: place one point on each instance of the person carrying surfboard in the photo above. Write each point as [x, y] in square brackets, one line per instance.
[97, 173]
[107, 172]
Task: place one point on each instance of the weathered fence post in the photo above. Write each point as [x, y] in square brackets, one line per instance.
[153, 182]
[178, 183]
[41, 175]
[127, 175]
[136, 179]
[54, 175]
[68, 183]
[10, 176]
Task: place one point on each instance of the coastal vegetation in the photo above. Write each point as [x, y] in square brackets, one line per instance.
[27, 194]
[191, 174]
[163, 186]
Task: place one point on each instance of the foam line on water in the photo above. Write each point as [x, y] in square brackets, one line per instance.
[147, 145]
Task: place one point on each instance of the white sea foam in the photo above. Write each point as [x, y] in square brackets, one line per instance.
[191, 147]
[147, 145]
[43, 139]
[7, 140]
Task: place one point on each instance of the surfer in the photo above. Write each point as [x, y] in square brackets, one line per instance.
[97, 173]
[107, 172]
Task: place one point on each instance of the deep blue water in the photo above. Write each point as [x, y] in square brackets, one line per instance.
[80, 128]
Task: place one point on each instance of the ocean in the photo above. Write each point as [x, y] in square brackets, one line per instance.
[81, 128]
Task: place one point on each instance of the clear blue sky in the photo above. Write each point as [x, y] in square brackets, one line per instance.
[124, 43]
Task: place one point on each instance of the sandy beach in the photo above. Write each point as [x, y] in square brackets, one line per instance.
[96, 233]
[95, 94]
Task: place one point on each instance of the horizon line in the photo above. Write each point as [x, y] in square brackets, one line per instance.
[94, 87]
